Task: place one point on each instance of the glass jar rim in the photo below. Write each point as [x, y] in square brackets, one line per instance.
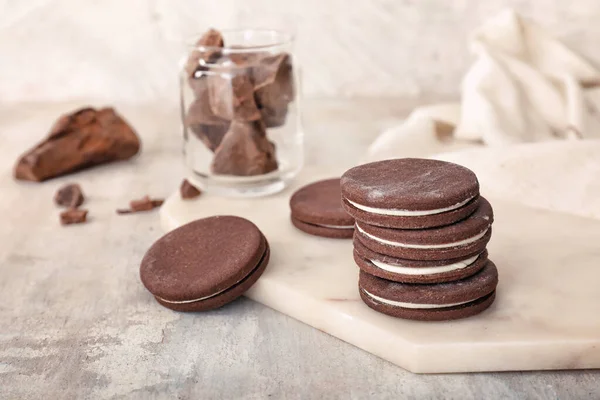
[285, 38]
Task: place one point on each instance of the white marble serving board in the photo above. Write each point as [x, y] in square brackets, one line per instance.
[546, 315]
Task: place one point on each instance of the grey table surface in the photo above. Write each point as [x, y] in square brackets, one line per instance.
[75, 321]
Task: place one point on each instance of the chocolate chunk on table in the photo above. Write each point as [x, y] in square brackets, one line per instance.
[83, 139]
[245, 151]
[143, 204]
[188, 191]
[69, 196]
[73, 216]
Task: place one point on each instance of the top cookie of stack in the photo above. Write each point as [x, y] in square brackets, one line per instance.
[420, 239]
[410, 193]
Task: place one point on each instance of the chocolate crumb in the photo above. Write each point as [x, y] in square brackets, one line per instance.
[73, 216]
[69, 196]
[157, 202]
[188, 191]
[143, 204]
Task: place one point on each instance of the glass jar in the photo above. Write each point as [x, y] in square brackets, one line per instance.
[240, 112]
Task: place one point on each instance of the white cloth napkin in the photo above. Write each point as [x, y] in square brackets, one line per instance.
[560, 176]
[524, 86]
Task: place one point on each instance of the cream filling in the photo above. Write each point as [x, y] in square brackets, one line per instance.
[191, 301]
[412, 305]
[214, 294]
[336, 226]
[408, 213]
[425, 270]
[424, 246]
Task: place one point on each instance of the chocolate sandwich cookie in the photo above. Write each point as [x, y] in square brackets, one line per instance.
[317, 210]
[412, 271]
[410, 193]
[205, 264]
[437, 302]
[467, 237]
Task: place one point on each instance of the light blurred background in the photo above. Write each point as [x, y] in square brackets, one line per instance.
[127, 50]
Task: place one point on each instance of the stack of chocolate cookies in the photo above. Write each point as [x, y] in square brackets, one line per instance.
[420, 238]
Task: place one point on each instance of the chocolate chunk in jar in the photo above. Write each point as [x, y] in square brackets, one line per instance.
[203, 122]
[198, 57]
[274, 84]
[231, 95]
[210, 135]
[273, 81]
[245, 151]
[274, 117]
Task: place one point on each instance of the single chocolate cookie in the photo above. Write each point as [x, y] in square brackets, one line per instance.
[317, 210]
[412, 271]
[205, 264]
[467, 237]
[410, 193]
[437, 302]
